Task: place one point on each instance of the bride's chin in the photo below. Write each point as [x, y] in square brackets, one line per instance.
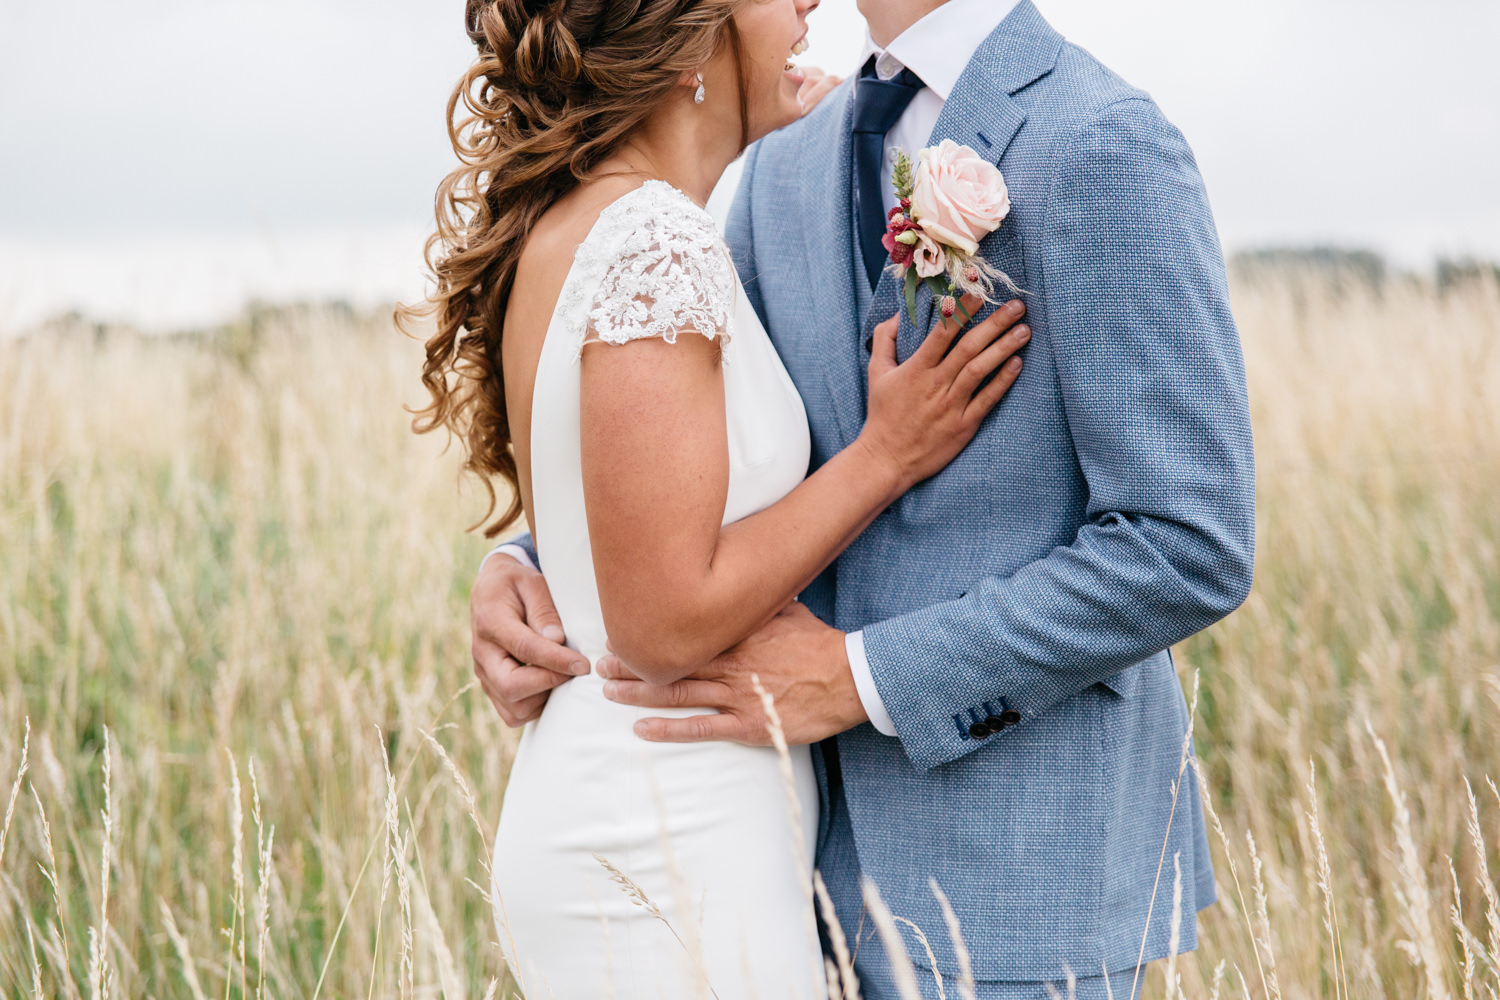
[774, 125]
[785, 112]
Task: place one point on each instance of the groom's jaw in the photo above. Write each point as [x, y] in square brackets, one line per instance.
[887, 19]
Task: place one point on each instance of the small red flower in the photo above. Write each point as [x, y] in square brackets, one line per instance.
[898, 222]
[971, 274]
[950, 306]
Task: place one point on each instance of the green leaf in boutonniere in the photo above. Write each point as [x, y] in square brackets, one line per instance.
[911, 293]
[959, 302]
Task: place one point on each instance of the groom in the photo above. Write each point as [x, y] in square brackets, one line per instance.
[987, 665]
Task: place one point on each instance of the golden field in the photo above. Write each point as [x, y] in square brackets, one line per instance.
[233, 608]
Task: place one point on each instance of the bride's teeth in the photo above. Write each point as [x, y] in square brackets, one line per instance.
[800, 47]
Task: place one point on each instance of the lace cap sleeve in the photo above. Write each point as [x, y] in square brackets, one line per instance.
[665, 270]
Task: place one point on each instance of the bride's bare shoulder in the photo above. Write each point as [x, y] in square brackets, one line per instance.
[547, 257]
[548, 254]
[554, 239]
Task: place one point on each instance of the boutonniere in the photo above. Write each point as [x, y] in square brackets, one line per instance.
[950, 199]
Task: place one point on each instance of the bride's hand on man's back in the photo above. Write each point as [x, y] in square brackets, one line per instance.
[816, 85]
[925, 410]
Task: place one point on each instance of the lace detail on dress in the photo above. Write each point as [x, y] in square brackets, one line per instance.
[653, 266]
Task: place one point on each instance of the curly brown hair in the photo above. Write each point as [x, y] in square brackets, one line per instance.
[557, 88]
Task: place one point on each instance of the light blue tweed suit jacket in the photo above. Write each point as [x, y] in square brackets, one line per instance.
[1104, 512]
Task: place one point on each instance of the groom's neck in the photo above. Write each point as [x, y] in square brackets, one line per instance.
[889, 18]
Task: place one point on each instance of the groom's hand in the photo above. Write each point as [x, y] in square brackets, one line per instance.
[518, 653]
[801, 663]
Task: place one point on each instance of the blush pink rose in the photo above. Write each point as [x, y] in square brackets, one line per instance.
[959, 198]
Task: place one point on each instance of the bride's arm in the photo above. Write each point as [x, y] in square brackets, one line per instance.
[675, 587]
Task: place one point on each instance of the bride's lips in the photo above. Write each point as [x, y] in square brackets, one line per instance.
[792, 72]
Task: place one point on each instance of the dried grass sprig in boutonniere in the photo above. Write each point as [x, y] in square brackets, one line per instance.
[949, 200]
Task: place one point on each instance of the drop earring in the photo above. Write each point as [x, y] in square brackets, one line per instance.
[700, 93]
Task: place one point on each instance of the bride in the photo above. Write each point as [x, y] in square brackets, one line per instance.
[595, 352]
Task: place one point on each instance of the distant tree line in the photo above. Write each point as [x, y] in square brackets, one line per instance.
[1348, 268]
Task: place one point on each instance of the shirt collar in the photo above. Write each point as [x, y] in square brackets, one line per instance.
[940, 45]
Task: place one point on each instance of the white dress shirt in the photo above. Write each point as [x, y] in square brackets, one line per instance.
[937, 48]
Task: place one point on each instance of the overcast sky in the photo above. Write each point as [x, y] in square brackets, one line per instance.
[163, 160]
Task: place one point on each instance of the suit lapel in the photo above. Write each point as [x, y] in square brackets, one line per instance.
[831, 254]
[981, 113]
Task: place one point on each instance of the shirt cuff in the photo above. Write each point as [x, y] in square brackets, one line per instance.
[514, 551]
[864, 683]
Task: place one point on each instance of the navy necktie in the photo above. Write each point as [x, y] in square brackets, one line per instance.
[878, 105]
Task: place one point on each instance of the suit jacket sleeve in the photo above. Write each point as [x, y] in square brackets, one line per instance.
[1149, 366]
[525, 544]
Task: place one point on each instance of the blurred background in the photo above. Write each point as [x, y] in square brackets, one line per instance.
[166, 161]
[241, 749]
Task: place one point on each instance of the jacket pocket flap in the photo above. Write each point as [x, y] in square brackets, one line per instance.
[1126, 683]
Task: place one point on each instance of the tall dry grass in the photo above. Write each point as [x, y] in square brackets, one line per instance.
[1347, 705]
[233, 610]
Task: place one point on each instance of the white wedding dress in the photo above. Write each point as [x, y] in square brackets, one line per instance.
[707, 831]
